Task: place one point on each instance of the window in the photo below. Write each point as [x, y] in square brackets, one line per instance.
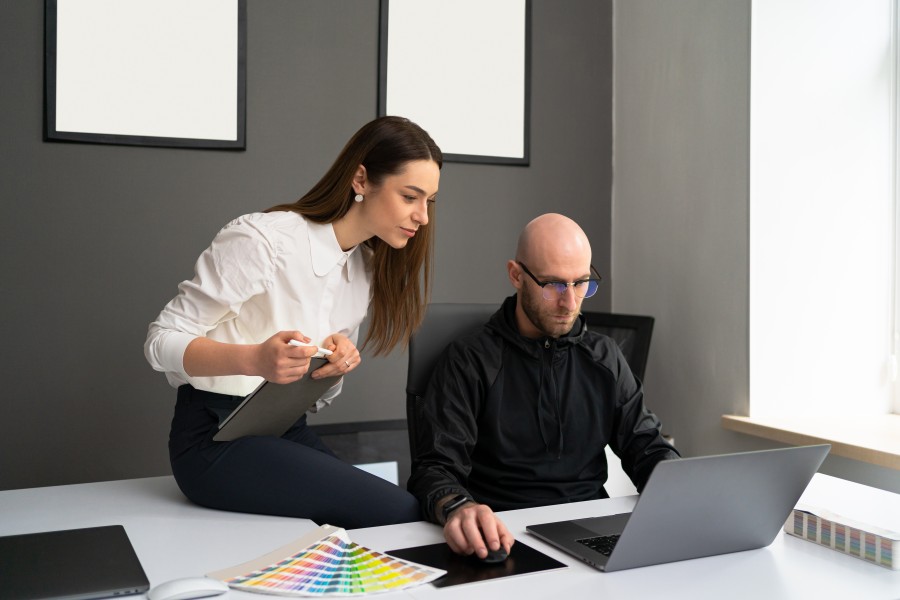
[823, 207]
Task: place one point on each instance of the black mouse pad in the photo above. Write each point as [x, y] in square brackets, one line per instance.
[467, 569]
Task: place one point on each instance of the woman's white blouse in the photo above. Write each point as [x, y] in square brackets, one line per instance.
[263, 273]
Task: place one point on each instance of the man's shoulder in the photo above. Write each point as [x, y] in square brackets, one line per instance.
[475, 355]
[476, 342]
[602, 349]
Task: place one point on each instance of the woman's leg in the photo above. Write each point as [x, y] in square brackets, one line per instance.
[275, 476]
[279, 476]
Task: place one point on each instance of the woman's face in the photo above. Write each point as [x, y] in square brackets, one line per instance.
[396, 209]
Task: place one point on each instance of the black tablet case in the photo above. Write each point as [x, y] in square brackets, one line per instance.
[272, 408]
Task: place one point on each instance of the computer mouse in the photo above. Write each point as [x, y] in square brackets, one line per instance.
[188, 587]
[495, 556]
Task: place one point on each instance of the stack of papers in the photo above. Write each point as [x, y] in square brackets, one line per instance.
[326, 563]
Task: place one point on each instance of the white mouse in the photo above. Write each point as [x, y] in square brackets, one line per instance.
[189, 587]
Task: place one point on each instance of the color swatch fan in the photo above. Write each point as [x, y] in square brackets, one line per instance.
[325, 562]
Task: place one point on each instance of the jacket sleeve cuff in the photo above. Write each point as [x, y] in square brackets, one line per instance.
[436, 495]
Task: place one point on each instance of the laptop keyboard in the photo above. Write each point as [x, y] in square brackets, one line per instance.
[603, 544]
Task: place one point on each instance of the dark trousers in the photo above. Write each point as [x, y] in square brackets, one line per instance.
[295, 475]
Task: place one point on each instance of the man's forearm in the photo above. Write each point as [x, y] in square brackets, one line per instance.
[431, 483]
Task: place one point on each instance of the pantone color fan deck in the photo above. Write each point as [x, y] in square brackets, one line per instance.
[326, 563]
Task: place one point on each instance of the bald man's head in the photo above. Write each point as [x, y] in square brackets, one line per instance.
[552, 248]
[552, 233]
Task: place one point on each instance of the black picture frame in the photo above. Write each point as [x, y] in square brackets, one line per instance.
[104, 100]
[467, 132]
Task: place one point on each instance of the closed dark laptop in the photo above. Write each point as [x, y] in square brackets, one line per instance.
[694, 507]
[75, 564]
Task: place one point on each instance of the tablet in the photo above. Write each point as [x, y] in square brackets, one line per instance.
[272, 408]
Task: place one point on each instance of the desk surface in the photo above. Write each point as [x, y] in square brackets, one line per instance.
[175, 538]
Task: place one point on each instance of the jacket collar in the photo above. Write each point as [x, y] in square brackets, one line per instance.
[504, 323]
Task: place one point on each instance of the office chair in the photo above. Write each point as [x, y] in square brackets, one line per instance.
[631, 332]
[444, 322]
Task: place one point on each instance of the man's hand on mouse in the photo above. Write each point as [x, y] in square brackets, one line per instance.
[473, 528]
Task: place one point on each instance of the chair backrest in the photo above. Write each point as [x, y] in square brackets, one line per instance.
[631, 332]
[445, 322]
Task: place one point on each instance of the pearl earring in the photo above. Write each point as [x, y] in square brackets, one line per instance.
[358, 197]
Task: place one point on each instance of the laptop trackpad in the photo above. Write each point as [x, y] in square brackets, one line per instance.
[608, 525]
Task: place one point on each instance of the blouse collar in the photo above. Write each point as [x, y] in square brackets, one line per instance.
[325, 251]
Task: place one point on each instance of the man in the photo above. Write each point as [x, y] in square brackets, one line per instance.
[519, 413]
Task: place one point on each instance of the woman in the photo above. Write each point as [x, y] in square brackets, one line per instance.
[306, 271]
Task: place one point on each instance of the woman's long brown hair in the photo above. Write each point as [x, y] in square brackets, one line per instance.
[401, 279]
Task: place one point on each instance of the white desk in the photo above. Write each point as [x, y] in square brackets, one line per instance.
[175, 538]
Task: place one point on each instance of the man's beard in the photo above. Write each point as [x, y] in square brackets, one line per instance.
[543, 314]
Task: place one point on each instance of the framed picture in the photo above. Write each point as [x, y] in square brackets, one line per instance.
[146, 72]
[461, 70]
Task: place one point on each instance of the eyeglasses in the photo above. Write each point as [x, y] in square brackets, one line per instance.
[583, 288]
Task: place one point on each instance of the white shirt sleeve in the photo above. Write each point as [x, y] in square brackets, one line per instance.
[238, 265]
[263, 273]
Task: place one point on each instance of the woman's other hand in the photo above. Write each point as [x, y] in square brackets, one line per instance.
[344, 357]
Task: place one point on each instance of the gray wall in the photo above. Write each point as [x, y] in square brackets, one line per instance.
[96, 237]
[680, 245]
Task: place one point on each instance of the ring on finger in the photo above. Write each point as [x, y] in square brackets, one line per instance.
[347, 362]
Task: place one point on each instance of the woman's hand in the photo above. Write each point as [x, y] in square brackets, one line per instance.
[278, 361]
[275, 360]
[344, 357]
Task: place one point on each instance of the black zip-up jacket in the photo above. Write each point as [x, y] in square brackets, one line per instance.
[515, 422]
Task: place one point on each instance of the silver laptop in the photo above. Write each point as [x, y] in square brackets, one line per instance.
[694, 507]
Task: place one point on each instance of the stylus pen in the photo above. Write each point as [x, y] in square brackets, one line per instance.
[321, 352]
